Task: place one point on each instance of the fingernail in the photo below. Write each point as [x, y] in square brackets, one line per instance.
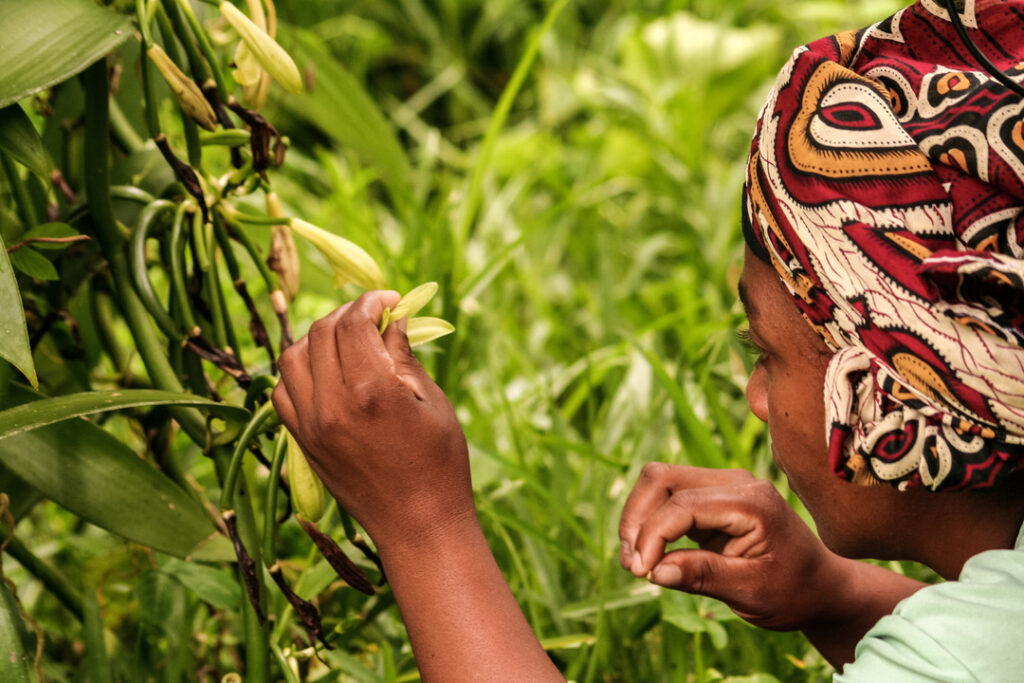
[638, 565]
[667, 575]
[626, 553]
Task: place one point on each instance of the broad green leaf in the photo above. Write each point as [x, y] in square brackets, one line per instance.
[20, 139]
[339, 105]
[155, 591]
[97, 662]
[215, 586]
[50, 230]
[23, 497]
[49, 410]
[15, 665]
[93, 475]
[48, 41]
[14, 345]
[30, 262]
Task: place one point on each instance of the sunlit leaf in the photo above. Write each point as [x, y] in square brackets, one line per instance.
[339, 106]
[48, 41]
[49, 410]
[93, 475]
[15, 666]
[14, 345]
[21, 141]
[213, 585]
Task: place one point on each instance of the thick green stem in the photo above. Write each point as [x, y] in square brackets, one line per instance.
[195, 150]
[123, 130]
[26, 207]
[257, 258]
[206, 47]
[262, 415]
[54, 581]
[200, 70]
[97, 186]
[270, 510]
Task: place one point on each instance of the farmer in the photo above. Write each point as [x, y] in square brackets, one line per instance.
[883, 282]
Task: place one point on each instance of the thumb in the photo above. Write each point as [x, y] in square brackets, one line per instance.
[702, 572]
[408, 367]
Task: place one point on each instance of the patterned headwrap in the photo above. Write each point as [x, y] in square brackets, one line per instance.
[886, 186]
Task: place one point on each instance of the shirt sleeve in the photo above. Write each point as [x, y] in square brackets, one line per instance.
[966, 630]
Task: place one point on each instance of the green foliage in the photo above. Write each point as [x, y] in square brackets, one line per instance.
[578, 206]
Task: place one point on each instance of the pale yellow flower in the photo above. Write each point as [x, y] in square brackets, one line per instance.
[348, 261]
[426, 329]
[264, 48]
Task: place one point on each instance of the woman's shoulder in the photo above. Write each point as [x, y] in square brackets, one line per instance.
[970, 629]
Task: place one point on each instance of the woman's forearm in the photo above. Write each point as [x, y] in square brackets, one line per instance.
[462, 619]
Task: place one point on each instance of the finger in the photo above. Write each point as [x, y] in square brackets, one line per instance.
[408, 367]
[704, 573]
[297, 376]
[324, 361]
[656, 484]
[723, 509]
[284, 407]
[360, 347]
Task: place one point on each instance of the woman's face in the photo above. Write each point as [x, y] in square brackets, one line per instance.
[786, 391]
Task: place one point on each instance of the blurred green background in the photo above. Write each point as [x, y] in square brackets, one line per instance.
[588, 255]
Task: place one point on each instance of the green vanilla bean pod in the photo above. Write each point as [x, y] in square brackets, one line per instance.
[188, 105]
[256, 327]
[140, 276]
[97, 185]
[270, 510]
[307, 489]
[197, 65]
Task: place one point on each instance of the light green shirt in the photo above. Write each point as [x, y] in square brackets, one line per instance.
[971, 629]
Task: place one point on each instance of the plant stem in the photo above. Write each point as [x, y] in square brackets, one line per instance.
[205, 46]
[26, 208]
[195, 150]
[97, 186]
[200, 70]
[270, 509]
[123, 130]
[264, 413]
[54, 581]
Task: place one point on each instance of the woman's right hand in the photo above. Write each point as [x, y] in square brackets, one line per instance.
[755, 554]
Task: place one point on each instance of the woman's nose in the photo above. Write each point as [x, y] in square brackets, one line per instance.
[757, 393]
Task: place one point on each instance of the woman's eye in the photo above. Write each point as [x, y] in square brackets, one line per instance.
[743, 335]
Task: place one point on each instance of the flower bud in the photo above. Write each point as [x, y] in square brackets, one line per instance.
[265, 49]
[284, 257]
[349, 261]
[185, 90]
[307, 489]
[410, 304]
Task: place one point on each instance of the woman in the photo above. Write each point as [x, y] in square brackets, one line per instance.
[884, 286]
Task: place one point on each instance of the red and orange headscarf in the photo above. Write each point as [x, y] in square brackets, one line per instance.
[886, 186]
